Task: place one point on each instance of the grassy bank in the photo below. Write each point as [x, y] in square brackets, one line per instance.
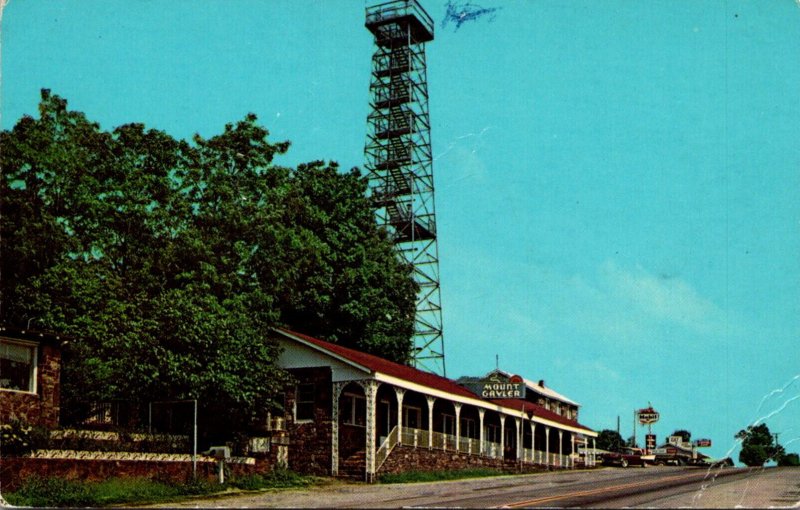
[56, 492]
[435, 476]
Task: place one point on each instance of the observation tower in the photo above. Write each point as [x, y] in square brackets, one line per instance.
[399, 159]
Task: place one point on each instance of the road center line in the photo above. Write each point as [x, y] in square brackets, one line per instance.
[592, 492]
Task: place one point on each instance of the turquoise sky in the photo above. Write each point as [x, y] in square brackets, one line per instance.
[617, 181]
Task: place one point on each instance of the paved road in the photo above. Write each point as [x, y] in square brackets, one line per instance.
[656, 487]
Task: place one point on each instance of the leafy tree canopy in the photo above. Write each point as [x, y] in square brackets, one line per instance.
[609, 440]
[685, 434]
[169, 261]
[758, 445]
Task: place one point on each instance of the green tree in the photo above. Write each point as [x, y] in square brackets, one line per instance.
[685, 434]
[758, 445]
[610, 440]
[789, 459]
[169, 261]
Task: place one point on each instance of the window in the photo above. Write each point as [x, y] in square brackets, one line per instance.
[353, 410]
[17, 366]
[304, 403]
[449, 424]
[412, 417]
[492, 433]
[468, 427]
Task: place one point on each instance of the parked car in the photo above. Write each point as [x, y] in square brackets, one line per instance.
[627, 457]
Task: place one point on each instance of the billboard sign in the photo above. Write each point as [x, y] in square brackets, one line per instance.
[498, 386]
[647, 416]
[675, 440]
[703, 443]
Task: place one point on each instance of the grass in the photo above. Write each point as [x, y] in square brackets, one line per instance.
[57, 492]
[435, 476]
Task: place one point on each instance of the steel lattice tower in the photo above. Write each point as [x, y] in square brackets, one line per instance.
[399, 159]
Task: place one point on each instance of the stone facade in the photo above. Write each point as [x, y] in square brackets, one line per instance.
[407, 458]
[41, 408]
[311, 446]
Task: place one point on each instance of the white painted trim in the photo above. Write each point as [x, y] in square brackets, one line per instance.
[419, 388]
[325, 351]
[481, 404]
[35, 346]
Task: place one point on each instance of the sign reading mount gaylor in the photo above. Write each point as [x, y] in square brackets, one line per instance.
[647, 416]
[498, 386]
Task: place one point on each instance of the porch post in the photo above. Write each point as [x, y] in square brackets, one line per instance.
[518, 430]
[572, 450]
[431, 401]
[481, 449]
[399, 392]
[547, 445]
[503, 436]
[457, 406]
[533, 441]
[336, 394]
[371, 390]
[560, 443]
[594, 454]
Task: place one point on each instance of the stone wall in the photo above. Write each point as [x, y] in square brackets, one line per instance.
[41, 408]
[15, 470]
[407, 458]
[310, 444]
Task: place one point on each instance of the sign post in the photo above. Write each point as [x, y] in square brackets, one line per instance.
[648, 416]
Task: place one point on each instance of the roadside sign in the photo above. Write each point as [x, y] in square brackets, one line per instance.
[650, 441]
[703, 443]
[647, 416]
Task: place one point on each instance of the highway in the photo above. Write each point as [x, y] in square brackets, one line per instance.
[653, 487]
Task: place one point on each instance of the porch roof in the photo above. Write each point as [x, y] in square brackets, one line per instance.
[42, 337]
[541, 412]
[383, 366]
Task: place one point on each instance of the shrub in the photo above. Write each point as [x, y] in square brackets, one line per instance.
[48, 492]
[57, 492]
[16, 438]
[277, 479]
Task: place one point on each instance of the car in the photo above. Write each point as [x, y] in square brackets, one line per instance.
[627, 457]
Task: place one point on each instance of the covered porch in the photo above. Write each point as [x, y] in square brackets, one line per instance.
[382, 414]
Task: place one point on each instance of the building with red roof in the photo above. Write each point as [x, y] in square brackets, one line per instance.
[358, 415]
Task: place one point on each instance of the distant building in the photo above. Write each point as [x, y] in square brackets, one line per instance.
[357, 415]
[30, 371]
[536, 393]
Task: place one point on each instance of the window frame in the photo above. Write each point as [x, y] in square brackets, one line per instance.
[33, 383]
[352, 419]
[297, 402]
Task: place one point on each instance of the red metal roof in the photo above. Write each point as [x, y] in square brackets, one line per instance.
[376, 364]
[410, 374]
[537, 410]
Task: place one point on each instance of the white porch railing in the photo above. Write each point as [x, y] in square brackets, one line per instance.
[386, 448]
[419, 438]
[470, 446]
[444, 441]
[414, 437]
[492, 450]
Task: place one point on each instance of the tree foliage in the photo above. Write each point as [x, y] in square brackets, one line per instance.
[685, 435]
[169, 261]
[609, 440]
[758, 445]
